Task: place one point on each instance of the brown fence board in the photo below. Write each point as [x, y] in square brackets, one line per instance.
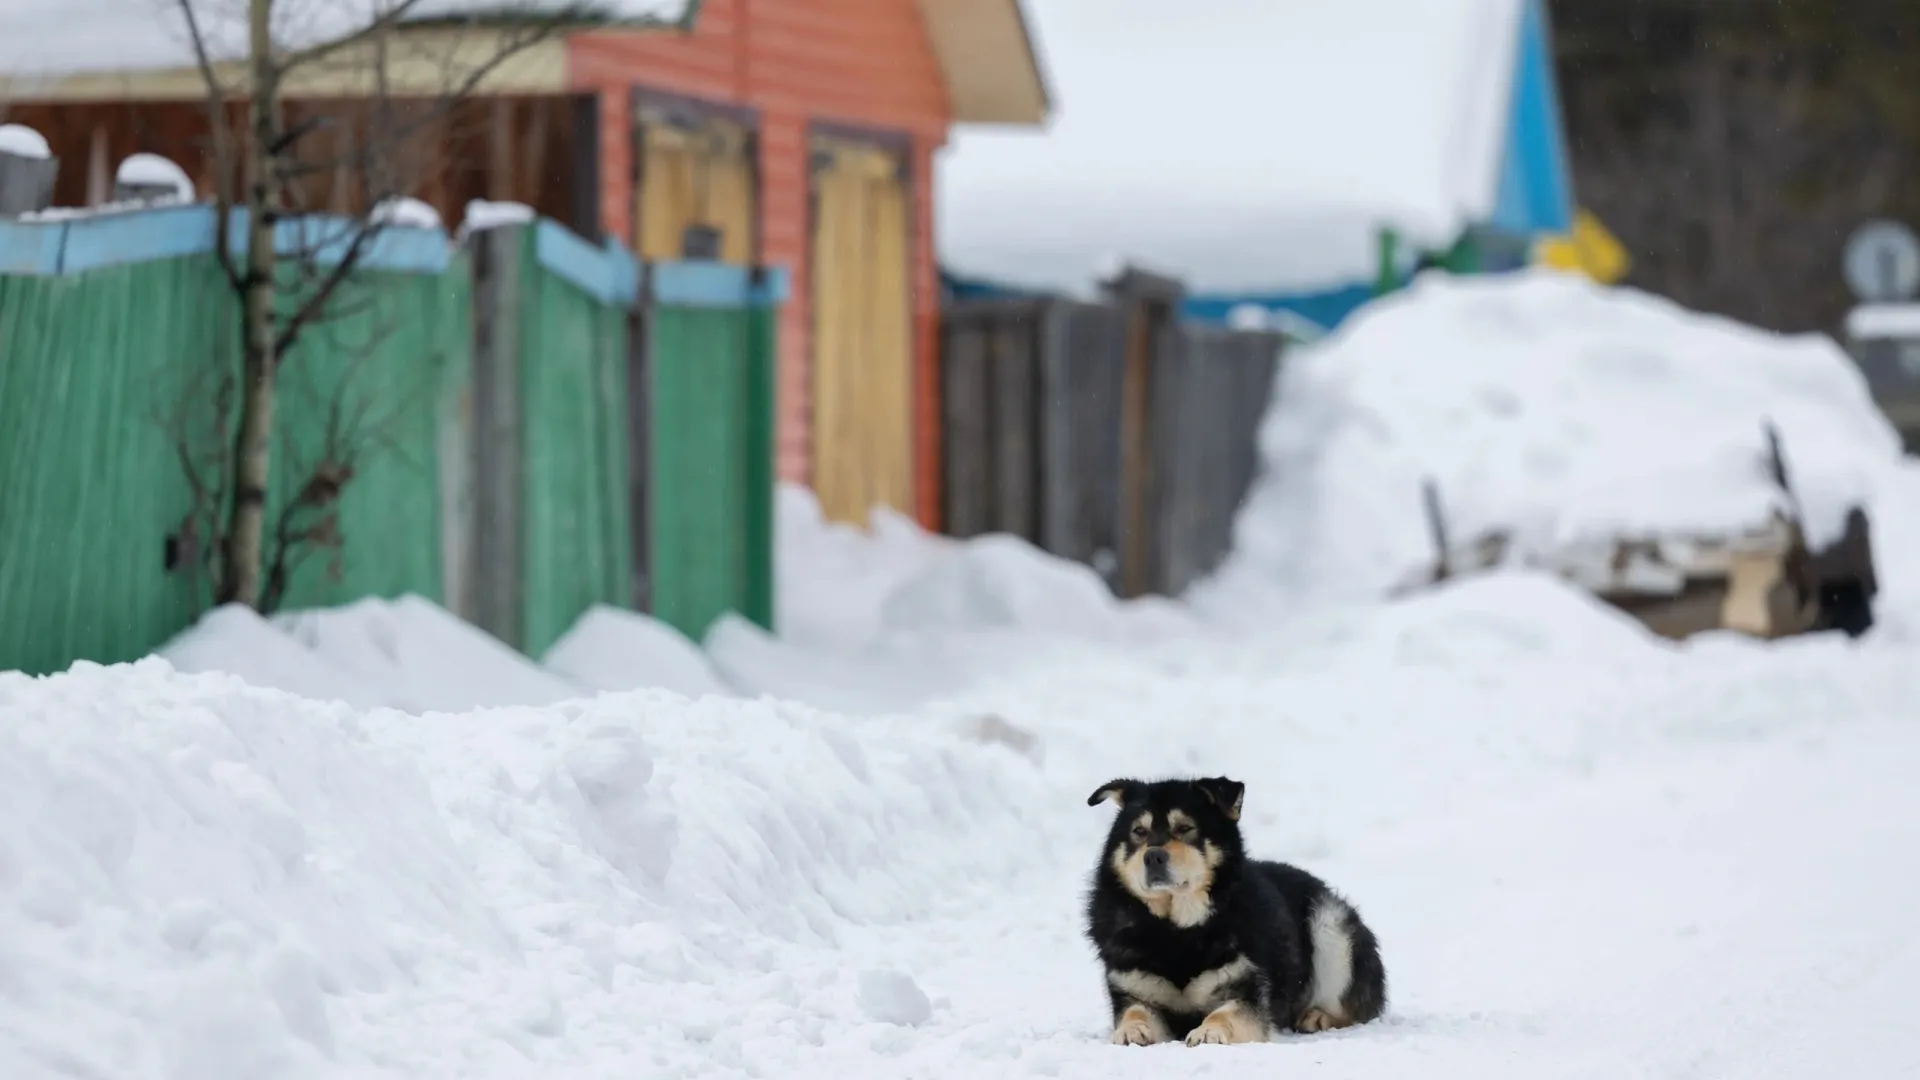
[1037, 420]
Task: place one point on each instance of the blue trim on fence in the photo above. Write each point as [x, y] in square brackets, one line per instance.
[97, 241]
[75, 245]
[325, 238]
[608, 274]
[32, 248]
[716, 285]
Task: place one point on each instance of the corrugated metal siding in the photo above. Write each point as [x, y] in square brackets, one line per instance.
[862, 62]
[95, 367]
[712, 493]
[576, 546]
[394, 363]
[92, 485]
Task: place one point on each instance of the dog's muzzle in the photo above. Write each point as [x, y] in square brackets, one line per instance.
[1158, 867]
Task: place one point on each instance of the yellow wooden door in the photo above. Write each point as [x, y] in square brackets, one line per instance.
[862, 333]
[694, 172]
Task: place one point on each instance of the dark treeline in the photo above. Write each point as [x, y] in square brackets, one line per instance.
[1733, 144]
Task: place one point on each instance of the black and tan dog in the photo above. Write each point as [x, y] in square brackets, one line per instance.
[1202, 943]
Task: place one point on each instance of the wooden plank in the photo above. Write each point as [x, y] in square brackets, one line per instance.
[495, 583]
[1013, 389]
[964, 420]
[1093, 373]
[640, 323]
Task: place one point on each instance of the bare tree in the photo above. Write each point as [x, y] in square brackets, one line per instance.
[366, 152]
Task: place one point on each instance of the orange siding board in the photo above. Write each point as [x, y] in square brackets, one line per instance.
[926, 317]
[858, 62]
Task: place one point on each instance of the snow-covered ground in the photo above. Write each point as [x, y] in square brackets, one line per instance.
[860, 849]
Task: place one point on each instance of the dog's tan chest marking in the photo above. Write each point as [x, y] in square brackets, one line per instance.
[1203, 993]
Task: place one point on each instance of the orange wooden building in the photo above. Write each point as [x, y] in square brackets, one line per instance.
[796, 133]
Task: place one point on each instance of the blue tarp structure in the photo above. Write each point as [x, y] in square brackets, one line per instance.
[1535, 196]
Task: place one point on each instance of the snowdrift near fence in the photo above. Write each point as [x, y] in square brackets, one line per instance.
[610, 648]
[425, 656]
[1549, 406]
[199, 878]
[205, 879]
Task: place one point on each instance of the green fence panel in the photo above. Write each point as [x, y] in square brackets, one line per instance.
[576, 543]
[372, 385]
[115, 337]
[711, 457]
[90, 367]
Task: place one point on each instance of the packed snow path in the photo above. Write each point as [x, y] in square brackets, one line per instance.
[1587, 855]
[1740, 913]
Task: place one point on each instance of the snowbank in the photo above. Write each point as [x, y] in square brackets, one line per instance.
[881, 621]
[833, 579]
[207, 880]
[1284, 135]
[152, 170]
[612, 649]
[1003, 583]
[422, 657]
[22, 141]
[198, 878]
[483, 214]
[234, 639]
[1548, 406]
[406, 213]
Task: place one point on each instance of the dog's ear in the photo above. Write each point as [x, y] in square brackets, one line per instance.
[1225, 794]
[1114, 791]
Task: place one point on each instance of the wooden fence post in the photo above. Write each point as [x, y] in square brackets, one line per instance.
[494, 565]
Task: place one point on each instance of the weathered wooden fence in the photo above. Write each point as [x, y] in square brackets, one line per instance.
[529, 454]
[1107, 433]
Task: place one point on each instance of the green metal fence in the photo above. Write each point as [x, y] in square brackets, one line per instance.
[518, 453]
[91, 486]
[620, 461]
[115, 333]
[576, 536]
[710, 358]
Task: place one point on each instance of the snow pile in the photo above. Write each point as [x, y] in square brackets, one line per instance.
[234, 639]
[406, 213]
[423, 657]
[22, 141]
[1285, 134]
[1547, 406]
[833, 579]
[884, 620]
[152, 170]
[203, 879]
[1001, 582]
[611, 649]
[483, 214]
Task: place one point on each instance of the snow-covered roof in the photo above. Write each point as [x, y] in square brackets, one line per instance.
[59, 37]
[1240, 144]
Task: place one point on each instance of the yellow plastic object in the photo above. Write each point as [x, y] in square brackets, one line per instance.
[1590, 249]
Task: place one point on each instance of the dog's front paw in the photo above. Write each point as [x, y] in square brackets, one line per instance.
[1139, 1026]
[1208, 1035]
[1228, 1024]
[1316, 1020]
